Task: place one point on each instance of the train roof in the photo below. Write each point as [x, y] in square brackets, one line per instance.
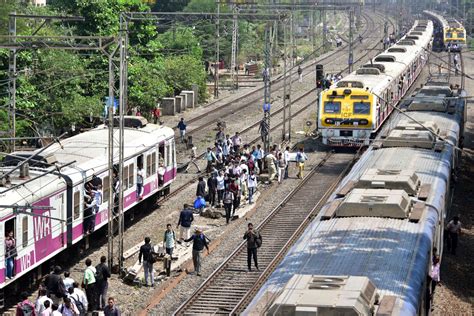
[393, 252]
[89, 150]
[444, 22]
[31, 192]
[392, 62]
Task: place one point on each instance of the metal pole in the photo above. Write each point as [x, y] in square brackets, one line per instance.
[110, 109]
[267, 91]
[216, 64]
[292, 52]
[351, 53]
[235, 27]
[12, 77]
[122, 105]
[285, 55]
[325, 29]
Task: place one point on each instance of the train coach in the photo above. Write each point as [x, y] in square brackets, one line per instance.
[353, 110]
[370, 249]
[50, 192]
[450, 34]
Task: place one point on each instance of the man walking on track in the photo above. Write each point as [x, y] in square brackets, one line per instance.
[185, 220]
[300, 74]
[182, 129]
[199, 242]
[300, 159]
[146, 253]
[254, 241]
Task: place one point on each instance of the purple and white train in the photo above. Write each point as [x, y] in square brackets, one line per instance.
[58, 193]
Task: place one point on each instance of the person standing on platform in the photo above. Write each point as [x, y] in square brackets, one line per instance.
[281, 167]
[228, 202]
[201, 187]
[212, 188]
[169, 240]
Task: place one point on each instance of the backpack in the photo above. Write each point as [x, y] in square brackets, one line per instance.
[99, 274]
[27, 309]
[79, 305]
[258, 240]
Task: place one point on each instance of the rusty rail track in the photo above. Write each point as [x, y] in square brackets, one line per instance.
[230, 287]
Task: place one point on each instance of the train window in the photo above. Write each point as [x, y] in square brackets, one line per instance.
[130, 175]
[173, 153]
[24, 229]
[361, 108]
[359, 97]
[161, 150]
[170, 154]
[125, 178]
[77, 204]
[460, 35]
[148, 165]
[449, 34]
[105, 189]
[332, 107]
[153, 163]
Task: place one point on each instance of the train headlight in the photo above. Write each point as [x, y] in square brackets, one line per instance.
[362, 133]
[330, 133]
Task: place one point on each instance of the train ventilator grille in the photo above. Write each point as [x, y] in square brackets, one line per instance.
[411, 134]
[406, 180]
[325, 295]
[375, 203]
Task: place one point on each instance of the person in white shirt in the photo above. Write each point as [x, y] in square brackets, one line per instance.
[42, 298]
[220, 188]
[161, 174]
[47, 311]
[140, 178]
[68, 281]
[243, 184]
[68, 308]
[434, 275]
[252, 185]
[79, 295]
[286, 156]
[55, 310]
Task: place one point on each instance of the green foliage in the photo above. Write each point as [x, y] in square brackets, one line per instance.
[181, 41]
[181, 72]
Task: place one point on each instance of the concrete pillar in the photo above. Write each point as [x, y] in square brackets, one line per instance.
[197, 101]
[186, 99]
[180, 106]
[168, 106]
[191, 98]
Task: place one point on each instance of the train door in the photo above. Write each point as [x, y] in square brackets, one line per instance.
[58, 211]
[78, 208]
[162, 163]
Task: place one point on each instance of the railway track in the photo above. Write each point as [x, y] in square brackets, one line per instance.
[229, 288]
[256, 95]
[273, 114]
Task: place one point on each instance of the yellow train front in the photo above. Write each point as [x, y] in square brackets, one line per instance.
[454, 38]
[346, 116]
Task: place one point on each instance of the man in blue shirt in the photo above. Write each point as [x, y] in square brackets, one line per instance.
[185, 220]
[199, 242]
[182, 129]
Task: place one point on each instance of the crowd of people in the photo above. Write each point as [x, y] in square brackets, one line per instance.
[59, 294]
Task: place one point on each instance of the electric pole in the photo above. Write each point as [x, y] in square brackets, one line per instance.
[233, 62]
[266, 93]
[285, 56]
[216, 64]
[351, 56]
[292, 65]
[12, 76]
[325, 29]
